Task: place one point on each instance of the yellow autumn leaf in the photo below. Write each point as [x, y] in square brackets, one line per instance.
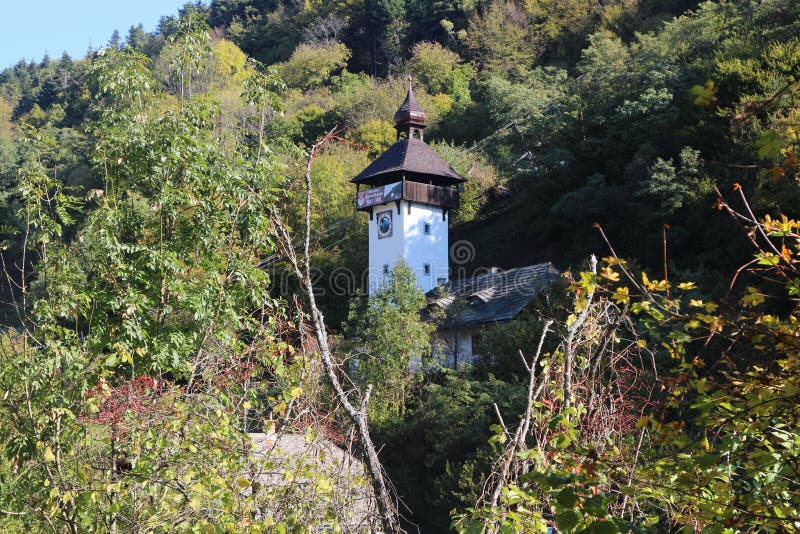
[611, 261]
[786, 254]
[610, 274]
[324, 485]
[621, 295]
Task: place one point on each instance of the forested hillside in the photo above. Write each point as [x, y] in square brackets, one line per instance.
[156, 300]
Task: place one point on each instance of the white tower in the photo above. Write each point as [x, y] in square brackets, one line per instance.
[411, 192]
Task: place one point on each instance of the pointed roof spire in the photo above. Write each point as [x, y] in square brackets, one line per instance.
[409, 113]
[409, 158]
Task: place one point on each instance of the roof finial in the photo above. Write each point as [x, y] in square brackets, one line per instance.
[410, 82]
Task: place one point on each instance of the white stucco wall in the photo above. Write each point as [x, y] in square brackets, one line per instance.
[422, 249]
[410, 243]
[385, 251]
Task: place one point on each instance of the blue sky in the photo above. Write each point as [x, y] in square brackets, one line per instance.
[29, 28]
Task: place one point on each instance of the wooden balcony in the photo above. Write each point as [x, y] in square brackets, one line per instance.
[434, 195]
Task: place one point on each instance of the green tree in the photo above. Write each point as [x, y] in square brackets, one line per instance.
[312, 65]
[376, 135]
[149, 343]
[500, 36]
[6, 128]
[440, 71]
[388, 338]
[230, 63]
[187, 54]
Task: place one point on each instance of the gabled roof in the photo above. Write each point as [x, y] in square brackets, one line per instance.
[493, 296]
[408, 156]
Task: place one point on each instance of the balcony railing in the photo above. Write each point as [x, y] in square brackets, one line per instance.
[433, 195]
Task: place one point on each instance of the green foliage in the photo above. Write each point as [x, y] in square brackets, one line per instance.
[439, 454]
[313, 121]
[6, 128]
[499, 345]
[502, 34]
[388, 337]
[726, 455]
[333, 169]
[230, 63]
[312, 65]
[132, 220]
[124, 80]
[673, 188]
[483, 179]
[143, 325]
[360, 99]
[440, 71]
[629, 111]
[376, 135]
[187, 54]
[721, 449]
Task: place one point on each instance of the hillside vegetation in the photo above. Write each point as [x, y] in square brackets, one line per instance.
[153, 194]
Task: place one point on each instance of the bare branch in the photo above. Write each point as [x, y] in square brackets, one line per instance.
[569, 342]
[358, 417]
[518, 443]
[500, 419]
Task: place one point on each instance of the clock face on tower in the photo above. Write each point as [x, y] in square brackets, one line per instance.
[384, 219]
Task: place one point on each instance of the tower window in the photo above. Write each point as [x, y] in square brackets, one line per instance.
[385, 268]
[426, 269]
[427, 228]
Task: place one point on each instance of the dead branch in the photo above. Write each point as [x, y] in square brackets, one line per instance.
[518, 443]
[569, 342]
[358, 416]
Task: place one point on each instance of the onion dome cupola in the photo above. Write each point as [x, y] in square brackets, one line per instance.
[409, 118]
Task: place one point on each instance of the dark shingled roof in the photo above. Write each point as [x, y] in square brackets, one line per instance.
[408, 157]
[494, 296]
[410, 111]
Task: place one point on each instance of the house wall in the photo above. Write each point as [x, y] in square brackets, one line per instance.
[410, 243]
[454, 347]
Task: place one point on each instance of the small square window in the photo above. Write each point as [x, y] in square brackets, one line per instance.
[427, 228]
[426, 269]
